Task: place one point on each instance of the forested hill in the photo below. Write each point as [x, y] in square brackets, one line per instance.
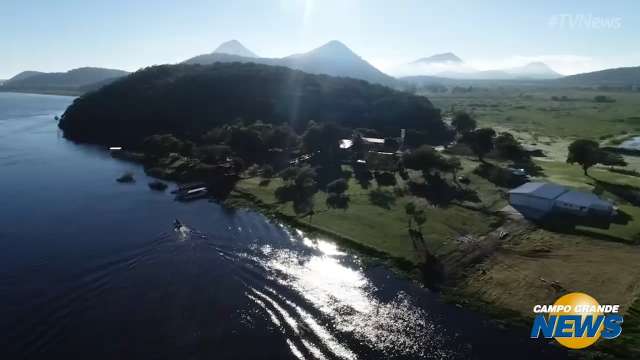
[72, 81]
[188, 100]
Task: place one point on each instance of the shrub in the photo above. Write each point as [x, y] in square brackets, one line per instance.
[338, 186]
[385, 179]
[338, 201]
[266, 171]
[382, 198]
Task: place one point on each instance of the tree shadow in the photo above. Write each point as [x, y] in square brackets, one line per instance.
[567, 224]
[529, 166]
[628, 193]
[441, 193]
[327, 173]
[363, 176]
[499, 176]
[338, 201]
[431, 268]
[382, 198]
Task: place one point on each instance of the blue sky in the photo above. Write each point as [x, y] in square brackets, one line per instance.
[571, 36]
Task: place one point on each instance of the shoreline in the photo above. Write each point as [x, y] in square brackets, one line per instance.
[68, 93]
[454, 291]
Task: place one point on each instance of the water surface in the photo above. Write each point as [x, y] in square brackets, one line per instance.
[90, 268]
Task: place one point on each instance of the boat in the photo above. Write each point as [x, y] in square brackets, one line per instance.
[193, 194]
[188, 186]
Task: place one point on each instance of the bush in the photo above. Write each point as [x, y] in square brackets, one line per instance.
[338, 201]
[213, 153]
[252, 171]
[338, 186]
[382, 198]
[286, 193]
[385, 179]
[267, 171]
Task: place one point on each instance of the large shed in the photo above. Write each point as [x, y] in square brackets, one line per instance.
[535, 200]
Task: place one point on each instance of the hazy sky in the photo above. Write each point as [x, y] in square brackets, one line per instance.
[571, 36]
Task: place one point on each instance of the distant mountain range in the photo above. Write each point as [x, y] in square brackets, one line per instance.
[333, 58]
[449, 65]
[73, 81]
[624, 76]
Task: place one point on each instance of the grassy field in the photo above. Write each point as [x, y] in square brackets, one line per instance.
[533, 112]
[535, 265]
[384, 229]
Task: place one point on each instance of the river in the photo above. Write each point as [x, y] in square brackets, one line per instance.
[92, 268]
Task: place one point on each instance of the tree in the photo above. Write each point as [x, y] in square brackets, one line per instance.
[385, 178]
[325, 139]
[247, 143]
[337, 201]
[509, 148]
[584, 152]
[463, 122]
[425, 159]
[358, 146]
[212, 154]
[280, 137]
[289, 173]
[300, 188]
[266, 171]
[338, 186]
[480, 141]
[162, 145]
[454, 165]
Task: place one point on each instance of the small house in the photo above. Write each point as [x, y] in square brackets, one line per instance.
[536, 200]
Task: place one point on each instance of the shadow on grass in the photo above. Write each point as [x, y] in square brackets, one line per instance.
[440, 193]
[382, 198]
[569, 225]
[628, 193]
[431, 268]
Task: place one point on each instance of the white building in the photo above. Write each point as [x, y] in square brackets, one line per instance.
[535, 200]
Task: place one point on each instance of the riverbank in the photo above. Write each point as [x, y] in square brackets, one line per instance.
[490, 263]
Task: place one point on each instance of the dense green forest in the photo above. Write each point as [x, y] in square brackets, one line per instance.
[188, 100]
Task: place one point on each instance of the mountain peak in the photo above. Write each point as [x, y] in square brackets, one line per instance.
[234, 47]
[334, 48]
[536, 69]
[439, 58]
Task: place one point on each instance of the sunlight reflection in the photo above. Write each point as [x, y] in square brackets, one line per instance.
[345, 296]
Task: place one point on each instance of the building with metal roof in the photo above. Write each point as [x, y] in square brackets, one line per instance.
[537, 200]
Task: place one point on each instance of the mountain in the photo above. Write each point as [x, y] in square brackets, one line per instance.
[334, 58]
[533, 70]
[439, 59]
[234, 47]
[189, 100]
[72, 81]
[23, 75]
[530, 71]
[625, 76]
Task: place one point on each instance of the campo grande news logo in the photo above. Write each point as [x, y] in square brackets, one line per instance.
[576, 321]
